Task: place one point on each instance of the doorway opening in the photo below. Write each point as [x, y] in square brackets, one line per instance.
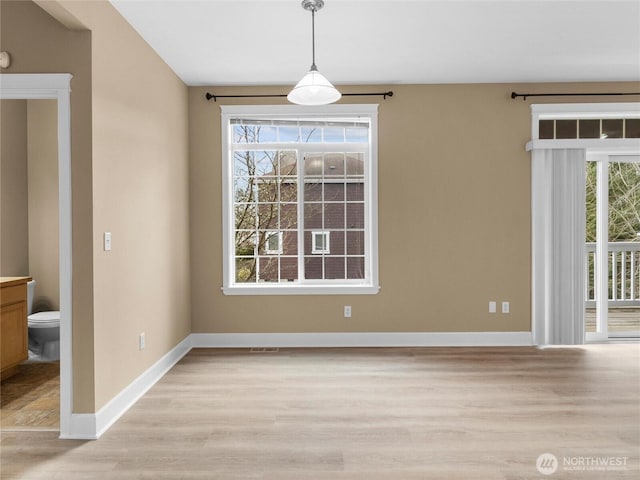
[612, 263]
[56, 87]
[30, 393]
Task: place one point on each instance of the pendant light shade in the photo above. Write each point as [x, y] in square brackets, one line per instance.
[314, 88]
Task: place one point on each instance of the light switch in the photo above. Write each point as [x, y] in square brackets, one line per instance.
[107, 241]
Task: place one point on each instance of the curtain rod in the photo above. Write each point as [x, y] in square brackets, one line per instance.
[384, 95]
[515, 95]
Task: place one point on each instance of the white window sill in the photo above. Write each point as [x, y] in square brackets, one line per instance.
[280, 289]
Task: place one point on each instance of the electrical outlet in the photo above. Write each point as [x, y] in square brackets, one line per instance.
[347, 311]
[141, 341]
[492, 307]
[505, 307]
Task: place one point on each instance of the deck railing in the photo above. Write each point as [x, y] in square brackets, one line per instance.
[624, 274]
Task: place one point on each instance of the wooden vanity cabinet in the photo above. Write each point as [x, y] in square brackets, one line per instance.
[14, 347]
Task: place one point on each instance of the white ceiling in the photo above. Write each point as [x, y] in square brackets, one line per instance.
[268, 42]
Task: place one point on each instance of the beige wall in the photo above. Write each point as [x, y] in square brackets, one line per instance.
[140, 195]
[454, 216]
[42, 141]
[14, 228]
[130, 177]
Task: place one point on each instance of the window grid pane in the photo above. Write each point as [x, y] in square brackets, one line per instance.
[265, 210]
[249, 132]
[605, 128]
[333, 208]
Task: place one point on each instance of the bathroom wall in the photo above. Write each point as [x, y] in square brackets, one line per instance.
[14, 229]
[42, 147]
[29, 216]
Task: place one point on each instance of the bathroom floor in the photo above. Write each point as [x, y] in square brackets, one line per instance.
[31, 398]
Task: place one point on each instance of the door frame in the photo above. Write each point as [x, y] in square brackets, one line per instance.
[56, 86]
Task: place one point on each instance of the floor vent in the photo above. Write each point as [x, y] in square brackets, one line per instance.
[264, 350]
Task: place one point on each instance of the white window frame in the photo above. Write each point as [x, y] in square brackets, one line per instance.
[369, 285]
[269, 234]
[326, 249]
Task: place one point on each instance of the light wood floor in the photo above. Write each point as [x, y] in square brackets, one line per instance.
[432, 413]
[31, 398]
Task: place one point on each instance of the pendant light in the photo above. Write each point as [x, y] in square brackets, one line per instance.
[314, 88]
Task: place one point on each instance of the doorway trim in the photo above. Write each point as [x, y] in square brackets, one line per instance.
[56, 86]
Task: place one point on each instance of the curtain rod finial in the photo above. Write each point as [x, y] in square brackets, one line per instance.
[515, 95]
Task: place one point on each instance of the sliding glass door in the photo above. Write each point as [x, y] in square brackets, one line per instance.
[612, 247]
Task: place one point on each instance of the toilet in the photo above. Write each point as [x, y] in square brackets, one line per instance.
[44, 329]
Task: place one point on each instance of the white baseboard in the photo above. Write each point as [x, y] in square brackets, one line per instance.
[117, 406]
[91, 426]
[82, 426]
[361, 339]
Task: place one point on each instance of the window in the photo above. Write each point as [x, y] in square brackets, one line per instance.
[273, 244]
[300, 199]
[320, 242]
[606, 128]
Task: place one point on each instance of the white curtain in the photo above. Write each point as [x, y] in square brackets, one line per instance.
[558, 246]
